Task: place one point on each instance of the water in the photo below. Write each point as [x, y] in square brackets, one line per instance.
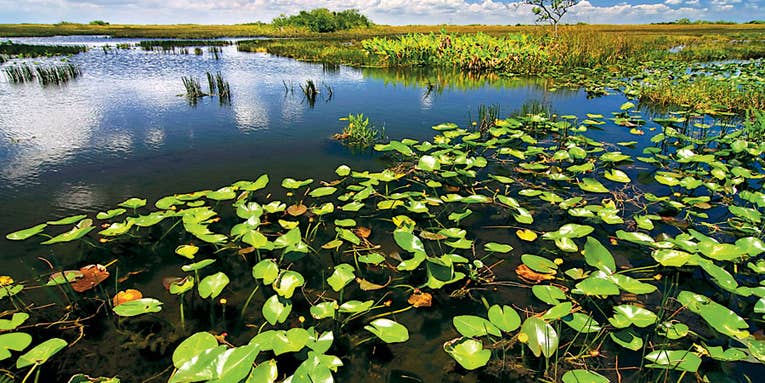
[122, 130]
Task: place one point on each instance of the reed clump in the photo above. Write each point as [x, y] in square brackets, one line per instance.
[217, 86]
[170, 45]
[45, 74]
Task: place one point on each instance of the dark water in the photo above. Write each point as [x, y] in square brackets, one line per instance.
[122, 130]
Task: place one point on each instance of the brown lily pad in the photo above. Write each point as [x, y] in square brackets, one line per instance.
[420, 299]
[297, 210]
[531, 276]
[126, 296]
[371, 286]
[363, 232]
[92, 275]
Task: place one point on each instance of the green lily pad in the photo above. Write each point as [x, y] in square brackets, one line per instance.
[674, 360]
[212, 285]
[15, 341]
[388, 331]
[469, 353]
[41, 353]
[26, 233]
[138, 307]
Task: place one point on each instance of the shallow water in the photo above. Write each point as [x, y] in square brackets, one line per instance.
[122, 130]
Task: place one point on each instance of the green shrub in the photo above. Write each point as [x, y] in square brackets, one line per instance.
[323, 20]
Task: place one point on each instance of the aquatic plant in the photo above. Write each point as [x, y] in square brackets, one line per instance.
[12, 49]
[170, 45]
[56, 74]
[216, 85]
[358, 131]
[659, 263]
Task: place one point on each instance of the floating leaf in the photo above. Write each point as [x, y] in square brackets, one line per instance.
[583, 376]
[212, 285]
[343, 274]
[276, 309]
[26, 233]
[469, 353]
[674, 360]
[388, 331]
[138, 307]
[193, 346]
[41, 353]
[541, 337]
[133, 203]
[16, 341]
[474, 326]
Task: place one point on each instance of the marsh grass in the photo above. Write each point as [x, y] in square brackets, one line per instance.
[45, 74]
[216, 84]
[170, 45]
[10, 49]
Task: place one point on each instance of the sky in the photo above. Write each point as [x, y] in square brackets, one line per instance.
[396, 12]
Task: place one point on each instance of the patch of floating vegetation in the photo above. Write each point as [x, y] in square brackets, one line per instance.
[45, 74]
[171, 45]
[11, 50]
[645, 266]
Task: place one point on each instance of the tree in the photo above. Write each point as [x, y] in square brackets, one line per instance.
[551, 11]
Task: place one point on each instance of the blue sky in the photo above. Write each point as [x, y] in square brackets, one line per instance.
[381, 11]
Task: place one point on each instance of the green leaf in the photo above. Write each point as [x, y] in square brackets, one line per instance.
[199, 368]
[68, 220]
[234, 364]
[341, 277]
[287, 283]
[212, 285]
[265, 372]
[41, 353]
[596, 286]
[292, 340]
[627, 315]
[582, 323]
[592, 185]
[133, 203]
[469, 353]
[583, 376]
[497, 247]
[267, 270]
[474, 326]
[26, 233]
[539, 264]
[617, 175]
[16, 320]
[408, 241]
[716, 315]
[138, 307]
[15, 341]
[322, 191]
[290, 183]
[324, 310]
[355, 307]
[251, 186]
[542, 338]
[505, 318]
[388, 331]
[193, 346]
[551, 295]
[197, 265]
[187, 251]
[71, 235]
[628, 339]
[596, 255]
[276, 309]
[674, 360]
[558, 311]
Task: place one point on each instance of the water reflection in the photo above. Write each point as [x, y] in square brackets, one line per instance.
[127, 114]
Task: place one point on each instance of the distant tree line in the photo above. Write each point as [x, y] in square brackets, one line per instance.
[687, 21]
[323, 20]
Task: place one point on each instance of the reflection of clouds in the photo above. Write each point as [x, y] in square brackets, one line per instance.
[154, 138]
[49, 132]
[115, 142]
[250, 114]
[293, 108]
[75, 197]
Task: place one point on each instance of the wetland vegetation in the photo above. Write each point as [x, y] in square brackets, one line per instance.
[527, 246]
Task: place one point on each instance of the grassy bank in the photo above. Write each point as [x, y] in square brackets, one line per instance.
[27, 50]
[260, 29]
